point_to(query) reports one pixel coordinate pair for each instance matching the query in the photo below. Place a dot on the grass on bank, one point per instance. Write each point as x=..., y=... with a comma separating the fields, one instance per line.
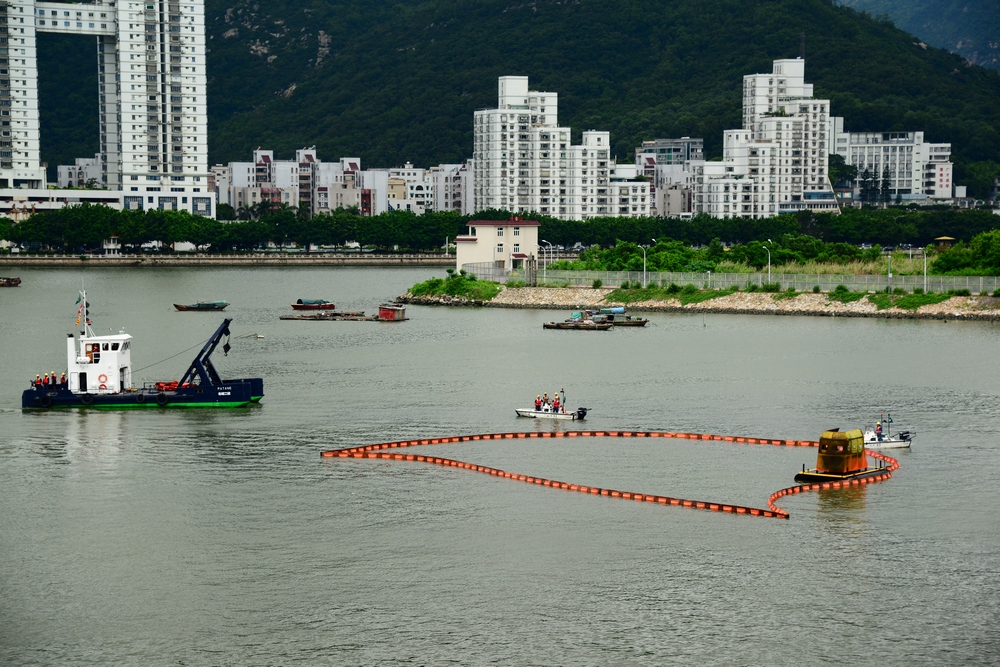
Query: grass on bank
x=458, y=284
x=686, y=294
x=907, y=301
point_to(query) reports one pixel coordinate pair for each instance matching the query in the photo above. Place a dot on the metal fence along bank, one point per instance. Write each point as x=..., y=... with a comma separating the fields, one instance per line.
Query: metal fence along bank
x=800, y=282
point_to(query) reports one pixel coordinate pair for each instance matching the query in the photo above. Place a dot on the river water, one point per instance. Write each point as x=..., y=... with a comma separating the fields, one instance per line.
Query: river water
x=222, y=537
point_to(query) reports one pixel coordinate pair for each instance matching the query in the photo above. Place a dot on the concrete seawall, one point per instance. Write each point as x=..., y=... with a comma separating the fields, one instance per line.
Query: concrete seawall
x=8, y=262
x=738, y=303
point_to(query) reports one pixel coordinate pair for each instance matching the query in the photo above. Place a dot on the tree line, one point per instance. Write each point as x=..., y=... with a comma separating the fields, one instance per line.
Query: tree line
x=84, y=227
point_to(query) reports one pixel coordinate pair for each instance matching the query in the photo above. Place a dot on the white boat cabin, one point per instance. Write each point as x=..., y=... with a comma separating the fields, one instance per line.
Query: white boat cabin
x=100, y=365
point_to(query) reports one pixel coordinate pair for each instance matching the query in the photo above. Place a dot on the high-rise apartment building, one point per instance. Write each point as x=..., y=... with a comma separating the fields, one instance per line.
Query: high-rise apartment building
x=777, y=163
x=524, y=161
x=151, y=96
x=913, y=169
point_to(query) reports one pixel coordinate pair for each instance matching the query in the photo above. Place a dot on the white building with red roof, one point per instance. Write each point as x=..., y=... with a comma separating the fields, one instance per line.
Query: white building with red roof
x=505, y=244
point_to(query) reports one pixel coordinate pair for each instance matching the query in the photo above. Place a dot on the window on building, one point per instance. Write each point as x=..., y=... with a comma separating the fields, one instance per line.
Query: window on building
x=500, y=248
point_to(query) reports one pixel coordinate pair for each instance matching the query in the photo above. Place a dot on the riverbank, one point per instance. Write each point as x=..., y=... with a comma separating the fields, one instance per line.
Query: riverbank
x=742, y=303
x=8, y=262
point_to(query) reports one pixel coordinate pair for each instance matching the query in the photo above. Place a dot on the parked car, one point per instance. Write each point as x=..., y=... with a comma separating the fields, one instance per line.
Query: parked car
x=887, y=248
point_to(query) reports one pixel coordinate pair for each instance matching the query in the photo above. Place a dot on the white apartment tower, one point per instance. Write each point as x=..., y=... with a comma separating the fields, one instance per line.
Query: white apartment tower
x=152, y=96
x=525, y=162
x=777, y=163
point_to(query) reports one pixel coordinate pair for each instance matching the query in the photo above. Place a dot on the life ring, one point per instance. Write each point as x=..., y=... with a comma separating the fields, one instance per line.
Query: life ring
x=161, y=399
x=102, y=378
x=45, y=401
x=102, y=386
x=87, y=399
x=140, y=397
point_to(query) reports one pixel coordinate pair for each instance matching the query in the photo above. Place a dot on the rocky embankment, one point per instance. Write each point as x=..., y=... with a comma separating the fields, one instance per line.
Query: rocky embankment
x=742, y=303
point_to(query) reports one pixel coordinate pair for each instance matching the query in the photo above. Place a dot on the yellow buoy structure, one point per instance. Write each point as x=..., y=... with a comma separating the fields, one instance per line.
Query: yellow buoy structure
x=841, y=456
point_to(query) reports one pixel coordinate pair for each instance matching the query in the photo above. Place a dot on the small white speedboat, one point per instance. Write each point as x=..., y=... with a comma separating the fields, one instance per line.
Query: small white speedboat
x=900, y=440
x=548, y=413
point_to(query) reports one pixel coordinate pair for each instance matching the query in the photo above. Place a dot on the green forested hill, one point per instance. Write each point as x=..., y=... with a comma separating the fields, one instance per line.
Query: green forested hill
x=970, y=28
x=395, y=81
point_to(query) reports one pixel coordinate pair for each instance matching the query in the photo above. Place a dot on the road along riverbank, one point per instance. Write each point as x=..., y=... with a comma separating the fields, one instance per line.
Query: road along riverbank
x=8, y=262
x=742, y=303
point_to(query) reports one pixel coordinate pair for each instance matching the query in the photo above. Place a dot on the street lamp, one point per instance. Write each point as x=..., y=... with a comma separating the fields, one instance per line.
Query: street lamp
x=549, y=245
x=923, y=251
x=643, y=265
x=768, y=261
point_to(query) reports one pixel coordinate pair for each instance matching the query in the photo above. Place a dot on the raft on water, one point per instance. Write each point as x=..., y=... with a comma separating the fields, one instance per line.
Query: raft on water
x=841, y=457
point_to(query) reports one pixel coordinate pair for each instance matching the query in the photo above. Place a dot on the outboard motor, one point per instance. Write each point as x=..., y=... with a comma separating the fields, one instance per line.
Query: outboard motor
x=581, y=413
x=903, y=435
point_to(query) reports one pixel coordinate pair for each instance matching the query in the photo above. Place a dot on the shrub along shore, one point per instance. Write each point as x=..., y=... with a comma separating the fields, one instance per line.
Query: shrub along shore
x=460, y=290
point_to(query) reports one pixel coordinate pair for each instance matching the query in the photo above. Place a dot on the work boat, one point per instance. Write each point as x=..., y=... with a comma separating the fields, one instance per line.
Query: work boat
x=99, y=375
x=899, y=440
x=887, y=440
x=547, y=413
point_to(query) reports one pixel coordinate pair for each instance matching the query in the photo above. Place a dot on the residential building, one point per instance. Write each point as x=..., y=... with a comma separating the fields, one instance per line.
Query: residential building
x=668, y=152
x=151, y=98
x=505, y=244
x=449, y=185
x=917, y=170
x=525, y=161
x=83, y=173
x=776, y=163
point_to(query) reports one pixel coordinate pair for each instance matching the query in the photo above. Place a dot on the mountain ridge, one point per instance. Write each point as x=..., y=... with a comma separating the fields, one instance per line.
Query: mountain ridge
x=391, y=82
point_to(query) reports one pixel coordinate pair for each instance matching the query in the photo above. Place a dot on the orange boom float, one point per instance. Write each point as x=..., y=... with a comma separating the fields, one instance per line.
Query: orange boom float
x=841, y=457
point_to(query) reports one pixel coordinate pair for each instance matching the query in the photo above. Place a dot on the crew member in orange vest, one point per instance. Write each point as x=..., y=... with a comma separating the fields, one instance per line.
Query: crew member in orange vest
x=555, y=402
x=38, y=381
x=538, y=403
x=62, y=380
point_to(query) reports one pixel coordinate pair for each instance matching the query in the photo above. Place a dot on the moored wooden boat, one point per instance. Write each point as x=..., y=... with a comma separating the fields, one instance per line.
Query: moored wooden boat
x=579, y=326
x=329, y=315
x=313, y=304
x=11, y=281
x=203, y=306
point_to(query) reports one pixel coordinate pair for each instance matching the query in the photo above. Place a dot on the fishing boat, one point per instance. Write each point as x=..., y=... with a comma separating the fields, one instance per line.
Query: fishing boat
x=313, y=304
x=203, y=305
x=616, y=316
x=581, y=325
x=99, y=375
x=875, y=439
x=9, y=281
x=546, y=413
x=579, y=321
x=329, y=316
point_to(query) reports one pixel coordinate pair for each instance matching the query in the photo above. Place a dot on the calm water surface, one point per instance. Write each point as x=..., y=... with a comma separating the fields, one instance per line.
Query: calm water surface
x=222, y=537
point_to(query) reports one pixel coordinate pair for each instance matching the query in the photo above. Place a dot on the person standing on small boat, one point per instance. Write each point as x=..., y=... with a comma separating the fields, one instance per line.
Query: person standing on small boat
x=555, y=402
x=538, y=403
x=878, y=431
x=545, y=401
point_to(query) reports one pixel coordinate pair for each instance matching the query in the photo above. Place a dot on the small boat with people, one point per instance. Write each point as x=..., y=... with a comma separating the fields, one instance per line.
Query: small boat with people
x=99, y=375
x=552, y=408
x=875, y=438
x=203, y=306
x=9, y=281
x=313, y=304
